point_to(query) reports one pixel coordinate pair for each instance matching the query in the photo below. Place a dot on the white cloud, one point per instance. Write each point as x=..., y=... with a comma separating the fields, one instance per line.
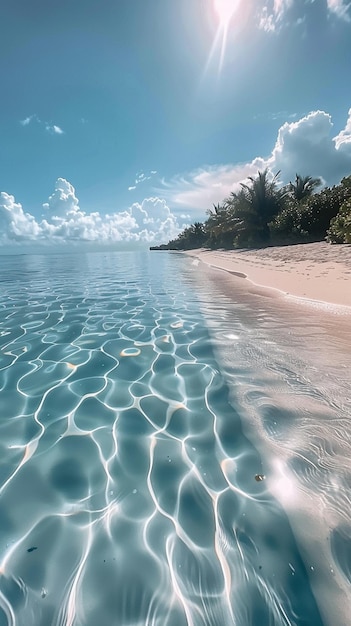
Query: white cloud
x=272, y=15
x=154, y=220
x=141, y=177
x=200, y=189
x=275, y=115
x=266, y=21
x=50, y=128
x=343, y=139
x=150, y=221
x=15, y=225
x=307, y=146
x=28, y=120
x=56, y=130
x=63, y=202
x=340, y=9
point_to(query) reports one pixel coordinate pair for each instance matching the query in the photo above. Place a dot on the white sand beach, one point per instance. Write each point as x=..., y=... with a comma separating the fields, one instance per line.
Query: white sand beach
x=315, y=271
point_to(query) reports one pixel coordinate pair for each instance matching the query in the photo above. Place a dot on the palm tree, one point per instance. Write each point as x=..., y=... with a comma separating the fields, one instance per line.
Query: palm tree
x=303, y=187
x=192, y=236
x=264, y=195
x=255, y=205
x=198, y=233
x=219, y=226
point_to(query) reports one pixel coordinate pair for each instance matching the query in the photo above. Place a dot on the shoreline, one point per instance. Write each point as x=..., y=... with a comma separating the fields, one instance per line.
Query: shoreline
x=318, y=274
x=282, y=339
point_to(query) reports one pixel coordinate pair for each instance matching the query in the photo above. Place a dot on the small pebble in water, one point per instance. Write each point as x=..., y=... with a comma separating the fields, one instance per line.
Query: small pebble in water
x=259, y=477
x=177, y=325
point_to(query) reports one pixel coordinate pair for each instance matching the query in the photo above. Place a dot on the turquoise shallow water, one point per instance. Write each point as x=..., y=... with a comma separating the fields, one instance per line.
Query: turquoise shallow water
x=129, y=493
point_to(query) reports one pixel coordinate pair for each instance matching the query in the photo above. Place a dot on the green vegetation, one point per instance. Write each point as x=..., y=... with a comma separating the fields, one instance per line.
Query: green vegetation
x=264, y=213
x=340, y=225
x=303, y=187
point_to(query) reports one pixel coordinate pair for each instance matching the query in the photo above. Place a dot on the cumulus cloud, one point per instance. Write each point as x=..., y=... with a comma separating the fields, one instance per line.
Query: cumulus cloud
x=150, y=221
x=15, y=225
x=154, y=220
x=307, y=146
x=63, y=202
x=343, y=139
x=53, y=129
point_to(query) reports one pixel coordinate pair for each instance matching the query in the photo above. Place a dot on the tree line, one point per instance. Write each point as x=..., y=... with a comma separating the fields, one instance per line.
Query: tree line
x=265, y=213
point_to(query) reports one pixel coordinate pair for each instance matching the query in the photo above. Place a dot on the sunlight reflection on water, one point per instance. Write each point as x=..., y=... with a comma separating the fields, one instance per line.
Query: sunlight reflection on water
x=128, y=489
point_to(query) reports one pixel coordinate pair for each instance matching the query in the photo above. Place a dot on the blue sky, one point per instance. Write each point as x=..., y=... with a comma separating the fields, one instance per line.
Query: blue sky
x=123, y=120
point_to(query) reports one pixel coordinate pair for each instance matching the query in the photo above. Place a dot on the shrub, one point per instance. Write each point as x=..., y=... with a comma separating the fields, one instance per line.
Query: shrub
x=309, y=220
x=340, y=225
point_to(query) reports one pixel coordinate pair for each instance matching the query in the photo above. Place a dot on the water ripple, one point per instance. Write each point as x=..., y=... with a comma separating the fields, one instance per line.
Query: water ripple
x=130, y=493
x=288, y=373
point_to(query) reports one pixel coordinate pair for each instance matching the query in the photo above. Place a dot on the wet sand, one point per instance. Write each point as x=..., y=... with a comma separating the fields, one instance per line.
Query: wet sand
x=314, y=271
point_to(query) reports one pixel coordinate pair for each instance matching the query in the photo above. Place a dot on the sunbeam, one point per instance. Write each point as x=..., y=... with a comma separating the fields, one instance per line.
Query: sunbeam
x=224, y=12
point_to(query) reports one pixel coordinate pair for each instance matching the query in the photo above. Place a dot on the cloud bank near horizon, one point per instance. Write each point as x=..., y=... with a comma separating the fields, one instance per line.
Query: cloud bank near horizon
x=66, y=223
x=306, y=146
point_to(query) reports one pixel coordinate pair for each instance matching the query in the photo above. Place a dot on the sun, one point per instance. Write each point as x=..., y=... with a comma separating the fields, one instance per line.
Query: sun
x=225, y=10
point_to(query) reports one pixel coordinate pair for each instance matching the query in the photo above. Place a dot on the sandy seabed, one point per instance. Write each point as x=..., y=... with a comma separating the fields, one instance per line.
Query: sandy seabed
x=296, y=348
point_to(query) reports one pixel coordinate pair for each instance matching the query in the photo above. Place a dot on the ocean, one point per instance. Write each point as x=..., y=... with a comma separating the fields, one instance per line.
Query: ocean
x=174, y=448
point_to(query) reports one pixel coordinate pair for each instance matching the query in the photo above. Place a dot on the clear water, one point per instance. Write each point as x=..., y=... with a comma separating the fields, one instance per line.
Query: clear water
x=129, y=491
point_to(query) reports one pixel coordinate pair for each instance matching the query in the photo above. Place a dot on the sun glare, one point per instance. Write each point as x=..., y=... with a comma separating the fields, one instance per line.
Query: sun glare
x=225, y=10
